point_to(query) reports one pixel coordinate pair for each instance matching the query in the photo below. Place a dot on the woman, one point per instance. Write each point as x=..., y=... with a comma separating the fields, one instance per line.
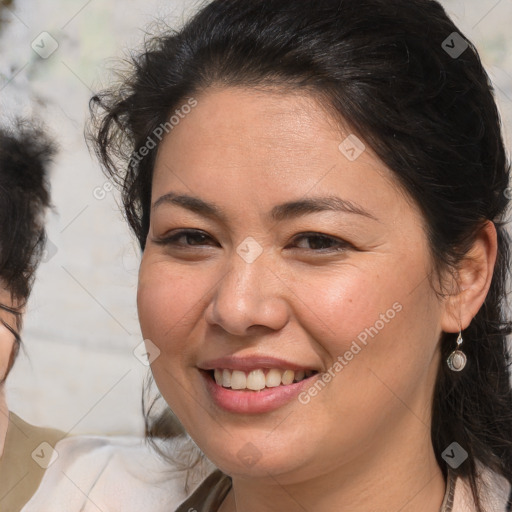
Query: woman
x=25, y=450
x=318, y=189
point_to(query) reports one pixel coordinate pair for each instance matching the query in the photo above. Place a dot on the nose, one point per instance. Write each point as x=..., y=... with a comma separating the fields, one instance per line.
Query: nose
x=249, y=296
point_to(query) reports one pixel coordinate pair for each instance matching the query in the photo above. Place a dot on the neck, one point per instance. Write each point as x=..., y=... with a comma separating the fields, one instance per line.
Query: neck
x=4, y=418
x=398, y=475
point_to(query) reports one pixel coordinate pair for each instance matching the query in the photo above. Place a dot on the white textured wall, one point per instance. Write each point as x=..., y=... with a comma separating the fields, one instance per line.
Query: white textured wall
x=81, y=326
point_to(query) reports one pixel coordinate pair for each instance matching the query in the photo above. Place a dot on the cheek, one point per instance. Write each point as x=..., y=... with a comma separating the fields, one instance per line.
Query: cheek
x=377, y=318
x=167, y=302
x=337, y=306
x=378, y=335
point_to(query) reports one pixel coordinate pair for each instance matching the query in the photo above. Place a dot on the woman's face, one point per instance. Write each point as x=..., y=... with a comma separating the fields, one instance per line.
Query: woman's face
x=302, y=260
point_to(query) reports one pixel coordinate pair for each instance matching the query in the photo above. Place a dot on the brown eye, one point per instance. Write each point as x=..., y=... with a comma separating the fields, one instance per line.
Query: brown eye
x=319, y=242
x=186, y=238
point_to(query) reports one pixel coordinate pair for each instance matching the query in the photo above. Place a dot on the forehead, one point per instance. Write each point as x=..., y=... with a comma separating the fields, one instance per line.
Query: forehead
x=259, y=145
x=274, y=117
x=267, y=130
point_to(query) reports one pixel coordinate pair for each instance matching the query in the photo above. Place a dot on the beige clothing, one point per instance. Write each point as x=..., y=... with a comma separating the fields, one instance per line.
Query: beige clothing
x=27, y=451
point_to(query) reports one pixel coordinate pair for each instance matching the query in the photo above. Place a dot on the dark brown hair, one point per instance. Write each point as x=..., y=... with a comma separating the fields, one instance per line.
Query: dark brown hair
x=25, y=153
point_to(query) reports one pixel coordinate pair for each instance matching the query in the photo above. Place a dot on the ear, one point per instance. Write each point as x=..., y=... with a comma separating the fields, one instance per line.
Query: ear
x=472, y=281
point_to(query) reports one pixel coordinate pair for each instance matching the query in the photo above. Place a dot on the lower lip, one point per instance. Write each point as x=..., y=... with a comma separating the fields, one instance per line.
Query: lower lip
x=253, y=402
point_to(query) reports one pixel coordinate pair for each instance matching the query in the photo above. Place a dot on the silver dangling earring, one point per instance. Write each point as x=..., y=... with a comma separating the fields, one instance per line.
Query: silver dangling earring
x=457, y=359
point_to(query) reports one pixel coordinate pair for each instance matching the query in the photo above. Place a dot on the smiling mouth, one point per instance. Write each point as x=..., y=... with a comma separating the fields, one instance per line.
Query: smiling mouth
x=256, y=380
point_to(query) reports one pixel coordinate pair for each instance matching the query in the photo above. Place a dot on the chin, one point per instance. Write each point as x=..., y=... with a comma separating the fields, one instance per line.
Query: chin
x=257, y=458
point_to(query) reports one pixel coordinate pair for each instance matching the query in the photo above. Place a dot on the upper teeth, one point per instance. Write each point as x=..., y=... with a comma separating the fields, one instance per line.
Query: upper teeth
x=257, y=379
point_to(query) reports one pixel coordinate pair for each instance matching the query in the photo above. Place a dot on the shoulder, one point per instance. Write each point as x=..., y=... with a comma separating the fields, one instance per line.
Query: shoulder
x=117, y=474
x=32, y=432
x=27, y=451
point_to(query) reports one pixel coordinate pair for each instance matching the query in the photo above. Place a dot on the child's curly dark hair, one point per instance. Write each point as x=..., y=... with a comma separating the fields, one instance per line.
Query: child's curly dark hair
x=25, y=153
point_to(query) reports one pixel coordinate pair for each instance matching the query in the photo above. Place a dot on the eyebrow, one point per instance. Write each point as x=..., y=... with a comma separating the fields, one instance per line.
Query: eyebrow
x=279, y=213
x=194, y=204
x=302, y=207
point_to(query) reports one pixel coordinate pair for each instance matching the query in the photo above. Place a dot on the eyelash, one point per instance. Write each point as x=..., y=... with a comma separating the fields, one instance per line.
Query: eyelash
x=173, y=240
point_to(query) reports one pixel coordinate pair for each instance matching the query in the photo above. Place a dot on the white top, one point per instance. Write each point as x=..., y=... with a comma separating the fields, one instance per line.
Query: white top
x=115, y=474
x=495, y=491
x=123, y=474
